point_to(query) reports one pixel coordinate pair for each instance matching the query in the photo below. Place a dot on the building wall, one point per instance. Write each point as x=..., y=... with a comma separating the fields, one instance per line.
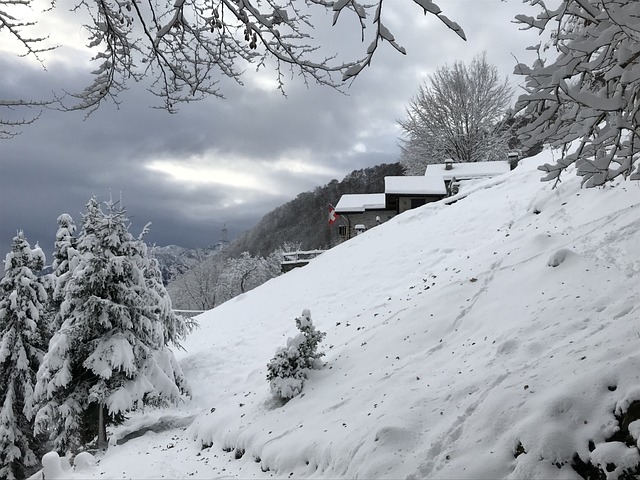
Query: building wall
x=405, y=202
x=367, y=218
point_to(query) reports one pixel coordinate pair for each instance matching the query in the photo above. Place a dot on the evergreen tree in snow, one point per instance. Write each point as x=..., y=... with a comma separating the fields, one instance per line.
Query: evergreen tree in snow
x=64, y=254
x=289, y=368
x=175, y=326
x=109, y=356
x=22, y=341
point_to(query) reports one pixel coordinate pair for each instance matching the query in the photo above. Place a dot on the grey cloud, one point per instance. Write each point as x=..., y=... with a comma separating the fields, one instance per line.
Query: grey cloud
x=63, y=159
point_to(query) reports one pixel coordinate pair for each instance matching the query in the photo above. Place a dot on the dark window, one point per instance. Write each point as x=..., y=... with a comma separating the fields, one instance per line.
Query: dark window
x=417, y=202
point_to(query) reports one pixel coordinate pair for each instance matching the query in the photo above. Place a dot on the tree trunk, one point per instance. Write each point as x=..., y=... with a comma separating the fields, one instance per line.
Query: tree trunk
x=102, y=429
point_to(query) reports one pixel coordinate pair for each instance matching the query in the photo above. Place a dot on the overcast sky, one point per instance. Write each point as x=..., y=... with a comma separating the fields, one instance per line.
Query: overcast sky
x=226, y=161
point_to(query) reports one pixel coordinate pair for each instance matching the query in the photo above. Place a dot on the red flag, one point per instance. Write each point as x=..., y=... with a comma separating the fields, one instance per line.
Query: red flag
x=333, y=216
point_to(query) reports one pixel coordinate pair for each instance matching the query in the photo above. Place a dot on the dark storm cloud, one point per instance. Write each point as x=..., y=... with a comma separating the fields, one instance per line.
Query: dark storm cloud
x=239, y=157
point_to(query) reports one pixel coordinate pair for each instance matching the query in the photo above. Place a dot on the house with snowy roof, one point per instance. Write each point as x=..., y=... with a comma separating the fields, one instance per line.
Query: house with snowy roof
x=453, y=174
x=401, y=193
x=404, y=193
x=361, y=211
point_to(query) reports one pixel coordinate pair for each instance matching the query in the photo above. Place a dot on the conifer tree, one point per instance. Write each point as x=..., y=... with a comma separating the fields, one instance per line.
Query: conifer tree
x=22, y=340
x=64, y=254
x=108, y=356
x=289, y=368
x=175, y=326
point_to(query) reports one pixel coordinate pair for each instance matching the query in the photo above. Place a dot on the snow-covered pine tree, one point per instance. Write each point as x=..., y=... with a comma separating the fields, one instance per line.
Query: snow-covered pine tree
x=109, y=356
x=64, y=255
x=289, y=368
x=175, y=327
x=22, y=341
x=312, y=337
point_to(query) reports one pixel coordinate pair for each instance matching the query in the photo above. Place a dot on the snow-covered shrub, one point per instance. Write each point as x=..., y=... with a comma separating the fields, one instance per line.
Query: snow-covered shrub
x=288, y=369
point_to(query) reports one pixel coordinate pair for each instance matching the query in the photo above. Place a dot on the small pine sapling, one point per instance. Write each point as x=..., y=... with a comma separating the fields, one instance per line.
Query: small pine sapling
x=288, y=369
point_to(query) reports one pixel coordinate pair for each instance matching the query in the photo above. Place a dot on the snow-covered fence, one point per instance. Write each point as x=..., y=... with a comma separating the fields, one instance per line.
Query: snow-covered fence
x=298, y=259
x=188, y=313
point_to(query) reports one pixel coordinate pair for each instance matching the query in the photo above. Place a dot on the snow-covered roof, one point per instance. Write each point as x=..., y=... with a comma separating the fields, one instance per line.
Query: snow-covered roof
x=467, y=170
x=414, y=185
x=359, y=202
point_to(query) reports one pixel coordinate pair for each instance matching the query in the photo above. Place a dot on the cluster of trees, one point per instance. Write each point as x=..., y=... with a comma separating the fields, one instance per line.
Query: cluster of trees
x=85, y=344
x=174, y=260
x=256, y=256
x=219, y=278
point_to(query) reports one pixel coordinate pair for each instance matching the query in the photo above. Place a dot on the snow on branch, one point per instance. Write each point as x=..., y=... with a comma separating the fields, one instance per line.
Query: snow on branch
x=187, y=46
x=587, y=100
x=382, y=33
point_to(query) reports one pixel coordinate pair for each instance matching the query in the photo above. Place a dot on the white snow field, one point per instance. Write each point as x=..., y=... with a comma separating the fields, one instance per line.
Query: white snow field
x=491, y=338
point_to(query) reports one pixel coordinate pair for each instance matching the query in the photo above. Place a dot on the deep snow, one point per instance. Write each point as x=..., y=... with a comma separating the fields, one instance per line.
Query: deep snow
x=490, y=338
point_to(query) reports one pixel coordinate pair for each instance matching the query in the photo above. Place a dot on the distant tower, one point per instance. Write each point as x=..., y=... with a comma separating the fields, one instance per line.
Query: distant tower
x=224, y=237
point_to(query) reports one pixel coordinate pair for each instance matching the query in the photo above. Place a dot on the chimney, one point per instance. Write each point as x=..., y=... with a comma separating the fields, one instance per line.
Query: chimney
x=448, y=164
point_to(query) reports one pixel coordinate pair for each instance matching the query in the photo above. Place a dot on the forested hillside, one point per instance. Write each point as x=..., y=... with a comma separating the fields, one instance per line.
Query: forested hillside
x=256, y=256
x=303, y=220
x=174, y=260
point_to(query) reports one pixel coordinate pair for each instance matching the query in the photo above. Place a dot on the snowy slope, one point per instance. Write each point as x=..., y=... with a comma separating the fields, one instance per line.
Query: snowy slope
x=491, y=338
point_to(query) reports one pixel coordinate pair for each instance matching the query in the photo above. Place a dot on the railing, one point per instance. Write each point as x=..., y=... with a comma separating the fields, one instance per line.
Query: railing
x=301, y=256
x=298, y=259
x=188, y=313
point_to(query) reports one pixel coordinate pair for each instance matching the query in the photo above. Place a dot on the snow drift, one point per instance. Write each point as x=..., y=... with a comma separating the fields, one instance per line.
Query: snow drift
x=495, y=337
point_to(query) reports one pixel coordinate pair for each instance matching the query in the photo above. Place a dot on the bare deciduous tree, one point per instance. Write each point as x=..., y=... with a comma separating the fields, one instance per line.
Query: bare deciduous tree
x=457, y=114
x=219, y=278
x=587, y=101
x=19, y=112
x=186, y=46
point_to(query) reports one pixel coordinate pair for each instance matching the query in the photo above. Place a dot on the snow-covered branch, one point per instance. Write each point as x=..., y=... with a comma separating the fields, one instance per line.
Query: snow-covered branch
x=587, y=100
x=457, y=114
x=185, y=47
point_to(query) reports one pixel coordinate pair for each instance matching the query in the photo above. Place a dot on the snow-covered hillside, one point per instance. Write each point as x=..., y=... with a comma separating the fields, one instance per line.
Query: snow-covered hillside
x=492, y=338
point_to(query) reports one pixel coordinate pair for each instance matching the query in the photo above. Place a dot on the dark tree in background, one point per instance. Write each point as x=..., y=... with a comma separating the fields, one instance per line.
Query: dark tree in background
x=304, y=220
